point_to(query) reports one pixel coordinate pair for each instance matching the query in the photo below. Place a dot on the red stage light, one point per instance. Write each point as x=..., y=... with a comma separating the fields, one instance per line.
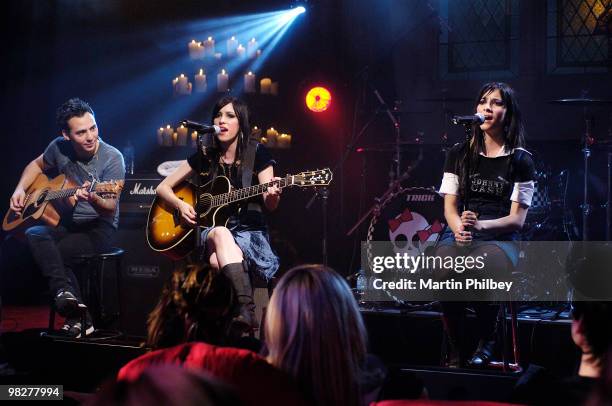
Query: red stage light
x=318, y=99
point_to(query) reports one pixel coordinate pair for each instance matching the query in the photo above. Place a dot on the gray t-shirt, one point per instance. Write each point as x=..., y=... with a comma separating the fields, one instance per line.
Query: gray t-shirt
x=107, y=164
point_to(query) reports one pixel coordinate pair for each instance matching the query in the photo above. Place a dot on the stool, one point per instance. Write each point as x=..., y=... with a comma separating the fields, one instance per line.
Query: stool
x=92, y=271
x=262, y=291
x=505, y=365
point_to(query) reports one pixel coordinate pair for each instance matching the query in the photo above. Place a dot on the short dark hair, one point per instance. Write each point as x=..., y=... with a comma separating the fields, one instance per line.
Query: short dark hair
x=74, y=107
x=595, y=318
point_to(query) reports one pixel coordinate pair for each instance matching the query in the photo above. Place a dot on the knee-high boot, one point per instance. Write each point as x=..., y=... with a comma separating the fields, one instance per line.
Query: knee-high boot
x=453, y=320
x=244, y=315
x=487, y=315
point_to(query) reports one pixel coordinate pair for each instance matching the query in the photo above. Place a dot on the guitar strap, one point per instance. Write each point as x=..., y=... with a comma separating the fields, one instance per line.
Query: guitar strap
x=248, y=162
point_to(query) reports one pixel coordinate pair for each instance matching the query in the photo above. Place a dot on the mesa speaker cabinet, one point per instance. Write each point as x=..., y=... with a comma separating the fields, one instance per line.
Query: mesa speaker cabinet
x=144, y=271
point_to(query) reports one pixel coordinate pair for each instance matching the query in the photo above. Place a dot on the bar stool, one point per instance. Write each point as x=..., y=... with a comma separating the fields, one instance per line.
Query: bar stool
x=262, y=291
x=92, y=271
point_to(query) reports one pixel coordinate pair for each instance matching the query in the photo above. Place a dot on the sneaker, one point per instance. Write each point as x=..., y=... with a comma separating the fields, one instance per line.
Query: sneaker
x=72, y=327
x=66, y=303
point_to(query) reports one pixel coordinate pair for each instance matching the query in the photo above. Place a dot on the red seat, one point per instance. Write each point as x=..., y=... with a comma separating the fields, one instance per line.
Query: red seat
x=427, y=402
x=255, y=380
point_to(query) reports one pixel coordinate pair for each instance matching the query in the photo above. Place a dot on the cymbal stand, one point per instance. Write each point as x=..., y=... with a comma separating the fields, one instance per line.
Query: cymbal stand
x=586, y=151
x=397, y=129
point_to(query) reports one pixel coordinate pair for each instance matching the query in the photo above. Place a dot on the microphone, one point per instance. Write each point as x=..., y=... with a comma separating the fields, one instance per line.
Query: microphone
x=477, y=118
x=202, y=128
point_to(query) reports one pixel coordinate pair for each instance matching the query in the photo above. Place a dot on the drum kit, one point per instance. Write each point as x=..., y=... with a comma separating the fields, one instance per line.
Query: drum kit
x=407, y=216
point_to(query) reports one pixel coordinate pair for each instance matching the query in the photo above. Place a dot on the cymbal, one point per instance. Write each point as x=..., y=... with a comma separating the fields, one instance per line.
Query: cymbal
x=581, y=101
x=446, y=99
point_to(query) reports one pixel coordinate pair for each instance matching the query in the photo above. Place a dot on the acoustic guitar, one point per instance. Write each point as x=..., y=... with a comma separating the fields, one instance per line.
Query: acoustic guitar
x=166, y=233
x=48, y=200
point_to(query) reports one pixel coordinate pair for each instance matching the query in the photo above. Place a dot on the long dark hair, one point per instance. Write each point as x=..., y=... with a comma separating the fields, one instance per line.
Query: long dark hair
x=242, y=113
x=514, y=130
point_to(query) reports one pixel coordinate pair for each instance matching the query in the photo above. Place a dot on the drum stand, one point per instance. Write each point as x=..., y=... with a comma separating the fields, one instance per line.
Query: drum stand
x=396, y=177
x=586, y=151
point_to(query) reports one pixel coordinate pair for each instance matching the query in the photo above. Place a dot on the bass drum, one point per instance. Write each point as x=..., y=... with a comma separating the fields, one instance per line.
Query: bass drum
x=408, y=218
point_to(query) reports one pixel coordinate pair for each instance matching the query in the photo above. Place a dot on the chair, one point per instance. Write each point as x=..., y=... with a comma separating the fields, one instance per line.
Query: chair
x=94, y=271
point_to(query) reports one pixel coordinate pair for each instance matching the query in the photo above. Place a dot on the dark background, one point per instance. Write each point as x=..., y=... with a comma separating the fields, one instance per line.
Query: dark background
x=121, y=55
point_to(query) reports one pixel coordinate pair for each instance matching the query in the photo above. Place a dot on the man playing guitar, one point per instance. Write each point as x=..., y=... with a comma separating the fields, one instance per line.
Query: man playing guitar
x=91, y=223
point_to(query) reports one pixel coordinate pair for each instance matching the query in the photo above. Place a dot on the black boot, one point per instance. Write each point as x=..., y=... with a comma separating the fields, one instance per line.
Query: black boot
x=453, y=319
x=482, y=355
x=487, y=319
x=244, y=315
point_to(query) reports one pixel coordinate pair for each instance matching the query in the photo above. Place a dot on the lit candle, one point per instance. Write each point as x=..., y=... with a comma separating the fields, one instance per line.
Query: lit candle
x=283, y=141
x=249, y=83
x=200, y=81
x=194, y=138
x=271, y=135
x=181, y=138
x=251, y=48
x=193, y=49
x=209, y=47
x=174, y=137
x=222, y=81
x=174, y=86
x=240, y=51
x=182, y=85
x=256, y=132
x=167, y=135
x=232, y=44
x=264, y=85
x=274, y=89
x=160, y=136
x=263, y=140
x=200, y=51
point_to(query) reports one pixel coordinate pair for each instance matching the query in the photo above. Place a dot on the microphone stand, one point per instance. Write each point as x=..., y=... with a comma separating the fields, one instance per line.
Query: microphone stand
x=396, y=127
x=466, y=182
x=200, y=145
x=323, y=193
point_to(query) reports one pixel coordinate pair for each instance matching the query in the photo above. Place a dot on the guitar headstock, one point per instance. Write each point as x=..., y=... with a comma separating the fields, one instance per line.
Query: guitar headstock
x=109, y=189
x=319, y=177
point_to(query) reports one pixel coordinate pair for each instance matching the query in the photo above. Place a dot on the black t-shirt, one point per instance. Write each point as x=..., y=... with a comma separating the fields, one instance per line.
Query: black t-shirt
x=263, y=159
x=492, y=180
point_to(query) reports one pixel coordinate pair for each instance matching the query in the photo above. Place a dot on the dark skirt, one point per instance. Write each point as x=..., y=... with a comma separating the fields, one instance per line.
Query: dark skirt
x=506, y=243
x=254, y=242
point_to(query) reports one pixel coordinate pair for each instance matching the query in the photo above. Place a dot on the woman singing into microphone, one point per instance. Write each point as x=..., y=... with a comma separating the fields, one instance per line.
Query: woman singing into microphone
x=243, y=245
x=488, y=217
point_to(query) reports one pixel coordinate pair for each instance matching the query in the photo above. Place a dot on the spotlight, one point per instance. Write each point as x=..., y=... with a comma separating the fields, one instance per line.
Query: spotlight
x=300, y=10
x=318, y=99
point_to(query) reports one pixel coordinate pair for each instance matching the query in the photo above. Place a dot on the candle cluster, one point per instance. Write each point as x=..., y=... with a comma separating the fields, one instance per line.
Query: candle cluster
x=168, y=136
x=199, y=50
x=274, y=139
x=183, y=87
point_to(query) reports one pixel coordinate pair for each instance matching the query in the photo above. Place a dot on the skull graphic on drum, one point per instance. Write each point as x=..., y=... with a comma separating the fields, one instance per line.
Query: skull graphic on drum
x=409, y=231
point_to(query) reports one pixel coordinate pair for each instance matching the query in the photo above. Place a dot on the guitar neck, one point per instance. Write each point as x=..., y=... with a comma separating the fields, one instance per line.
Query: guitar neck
x=61, y=194
x=247, y=192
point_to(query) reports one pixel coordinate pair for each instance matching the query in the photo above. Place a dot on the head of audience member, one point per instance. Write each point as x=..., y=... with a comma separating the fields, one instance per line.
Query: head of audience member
x=602, y=394
x=592, y=333
x=314, y=332
x=167, y=385
x=195, y=305
x=590, y=280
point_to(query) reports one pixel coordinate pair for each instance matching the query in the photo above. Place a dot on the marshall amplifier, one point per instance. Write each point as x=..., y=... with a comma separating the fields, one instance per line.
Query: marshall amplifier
x=138, y=194
x=144, y=270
